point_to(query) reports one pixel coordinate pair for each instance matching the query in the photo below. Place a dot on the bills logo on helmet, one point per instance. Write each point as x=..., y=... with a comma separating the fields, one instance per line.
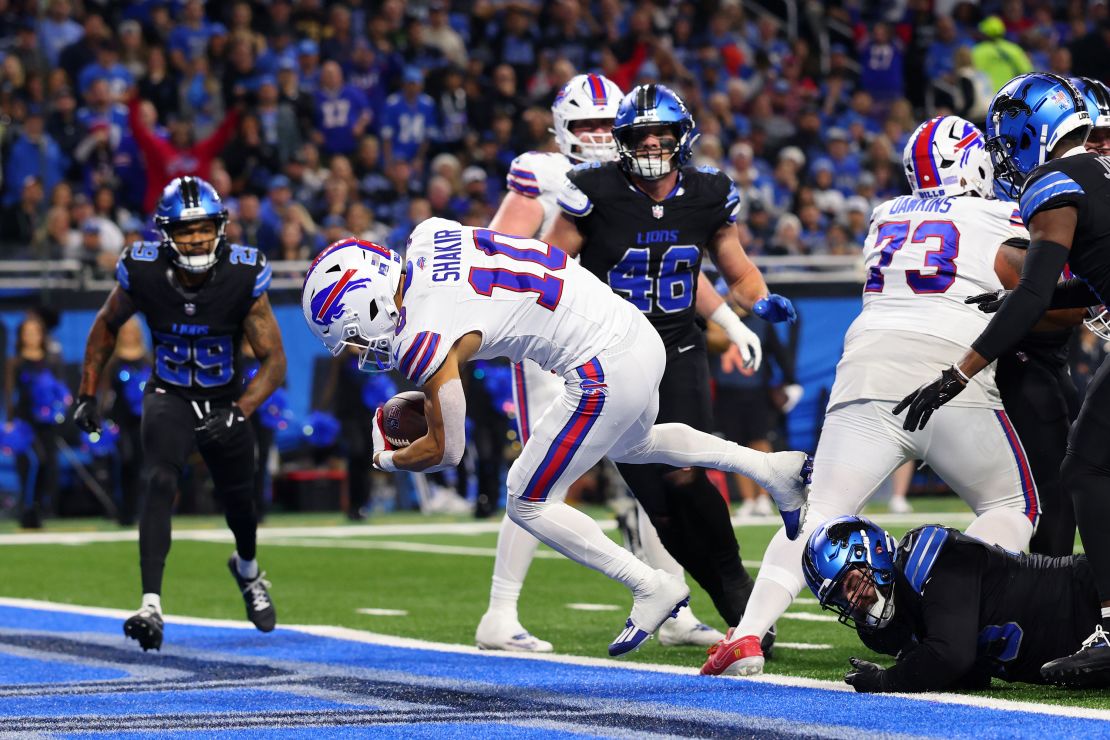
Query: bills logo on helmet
x=327, y=305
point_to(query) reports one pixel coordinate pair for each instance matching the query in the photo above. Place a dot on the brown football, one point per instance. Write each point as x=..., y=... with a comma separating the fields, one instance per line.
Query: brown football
x=403, y=418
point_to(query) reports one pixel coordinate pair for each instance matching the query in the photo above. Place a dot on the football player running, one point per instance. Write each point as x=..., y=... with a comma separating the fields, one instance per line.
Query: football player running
x=953, y=609
x=925, y=254
x=201, y=297
x=583, y=115
x=469, y=293
x=1036, y=128
x=642, y=225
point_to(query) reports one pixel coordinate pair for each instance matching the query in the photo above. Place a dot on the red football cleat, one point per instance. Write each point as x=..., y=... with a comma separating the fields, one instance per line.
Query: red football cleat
x=739, y=657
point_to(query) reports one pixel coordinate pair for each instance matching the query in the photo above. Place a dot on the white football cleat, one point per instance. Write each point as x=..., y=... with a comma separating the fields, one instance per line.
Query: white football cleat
x=686, y=629
x=788, y=483
x=500, y=631
x=657, y=601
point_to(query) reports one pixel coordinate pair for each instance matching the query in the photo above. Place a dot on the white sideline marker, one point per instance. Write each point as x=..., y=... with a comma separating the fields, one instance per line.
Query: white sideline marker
x=585, y=607
x=807, y=617
x=383, y=612
x=803, y=645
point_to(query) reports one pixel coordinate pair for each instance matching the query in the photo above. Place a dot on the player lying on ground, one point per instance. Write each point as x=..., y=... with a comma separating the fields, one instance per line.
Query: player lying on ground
x=954, y=610
x=201, y=297
x=469, y=293
x=925, y=254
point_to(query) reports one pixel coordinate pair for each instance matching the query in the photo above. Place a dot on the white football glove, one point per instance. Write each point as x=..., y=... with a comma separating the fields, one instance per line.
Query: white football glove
x=751, y=350
x=794, y=393
x=378, y=433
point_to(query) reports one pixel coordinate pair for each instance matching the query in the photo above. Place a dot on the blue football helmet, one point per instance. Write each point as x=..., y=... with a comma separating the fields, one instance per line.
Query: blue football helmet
x=645, y=107
x=184, y=200
x=848, y=564
x=1097, y=96
x=1025, y=121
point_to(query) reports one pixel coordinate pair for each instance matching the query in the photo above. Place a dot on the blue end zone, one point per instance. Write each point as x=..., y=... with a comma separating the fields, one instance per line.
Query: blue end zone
x=70, y=675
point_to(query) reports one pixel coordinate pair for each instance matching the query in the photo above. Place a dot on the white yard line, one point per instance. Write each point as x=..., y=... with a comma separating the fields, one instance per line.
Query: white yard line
x=352, y=635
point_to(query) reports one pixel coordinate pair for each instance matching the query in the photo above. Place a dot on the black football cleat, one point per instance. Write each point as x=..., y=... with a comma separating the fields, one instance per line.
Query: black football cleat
x=1087, y=668
x=260, y=609
x=145, y=626
x=767, y=644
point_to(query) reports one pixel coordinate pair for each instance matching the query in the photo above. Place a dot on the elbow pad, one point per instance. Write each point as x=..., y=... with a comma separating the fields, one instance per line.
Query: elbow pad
x=452, y=405
x=1020, y=311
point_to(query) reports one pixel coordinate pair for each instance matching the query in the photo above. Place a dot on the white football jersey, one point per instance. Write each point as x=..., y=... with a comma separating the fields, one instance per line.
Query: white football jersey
x=540, y=175
x=527, y=299
x=923, y=257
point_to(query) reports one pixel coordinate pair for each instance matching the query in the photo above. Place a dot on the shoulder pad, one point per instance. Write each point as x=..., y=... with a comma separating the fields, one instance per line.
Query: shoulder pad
x=708, y=169
x=918, y=551
x=573, y=201
x=1052, y=185
x=586, y=166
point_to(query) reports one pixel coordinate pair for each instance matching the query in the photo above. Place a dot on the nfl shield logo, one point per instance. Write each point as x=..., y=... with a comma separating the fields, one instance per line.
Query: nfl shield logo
x=190, y=309
x=657, y=211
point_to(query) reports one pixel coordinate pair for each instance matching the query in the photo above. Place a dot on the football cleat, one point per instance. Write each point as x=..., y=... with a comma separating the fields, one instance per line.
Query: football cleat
x=734, y=657
x=1087, y=668
x=686, y=629
x=499, y=631
x=256, y=594
x=767, y=644
x=660, y=601
x=788, y=483
x=145, y=626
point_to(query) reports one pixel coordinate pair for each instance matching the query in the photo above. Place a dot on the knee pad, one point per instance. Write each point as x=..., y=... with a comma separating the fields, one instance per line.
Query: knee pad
x=160, y=479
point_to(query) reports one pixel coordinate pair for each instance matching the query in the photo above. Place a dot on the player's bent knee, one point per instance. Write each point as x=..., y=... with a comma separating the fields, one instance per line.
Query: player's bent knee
x=160, y=480
x=681, y=477
x=521, y=512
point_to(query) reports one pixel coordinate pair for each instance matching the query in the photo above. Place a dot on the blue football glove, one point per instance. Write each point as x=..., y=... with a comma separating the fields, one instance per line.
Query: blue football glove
x=775, y=308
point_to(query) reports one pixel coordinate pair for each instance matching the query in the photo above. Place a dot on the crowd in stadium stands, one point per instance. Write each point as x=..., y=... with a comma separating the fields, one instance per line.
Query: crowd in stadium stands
x=318, y=119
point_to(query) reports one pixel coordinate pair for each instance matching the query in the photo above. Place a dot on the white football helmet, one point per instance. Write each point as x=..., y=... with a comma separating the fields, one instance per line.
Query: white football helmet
x=946, y=156
x=586, y=97
x=348, y=299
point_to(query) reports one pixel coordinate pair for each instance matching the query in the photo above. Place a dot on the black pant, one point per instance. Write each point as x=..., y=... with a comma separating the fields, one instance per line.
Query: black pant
x=1039, y=395
x=168, y=437
x=265, y=439
x=130, y=468
x=687, y=510
x=359, y=448
x=38, y=474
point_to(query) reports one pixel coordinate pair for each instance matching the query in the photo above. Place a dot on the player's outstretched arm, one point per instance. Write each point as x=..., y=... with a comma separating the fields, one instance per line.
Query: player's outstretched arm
x=100, y=345
x=518, y=214
x=445, y=413
x=261, y=329
x=745, y=281
x=564, y=234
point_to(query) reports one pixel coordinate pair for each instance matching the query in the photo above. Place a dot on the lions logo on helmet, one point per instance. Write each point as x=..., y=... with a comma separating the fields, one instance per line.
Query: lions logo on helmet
x=653, y=110
x=848, y=564
x=946, y=156
x=348, y=298
x=586, y=98
x=188, y=200
x=1026, y=120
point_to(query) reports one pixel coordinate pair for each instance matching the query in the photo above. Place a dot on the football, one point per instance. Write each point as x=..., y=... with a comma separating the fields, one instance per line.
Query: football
x=403, y=418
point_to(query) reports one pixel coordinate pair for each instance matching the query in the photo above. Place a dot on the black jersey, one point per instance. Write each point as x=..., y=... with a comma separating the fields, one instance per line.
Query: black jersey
x=196, y=334
x=650, y=253
x=965, y=611
x=1082, y=181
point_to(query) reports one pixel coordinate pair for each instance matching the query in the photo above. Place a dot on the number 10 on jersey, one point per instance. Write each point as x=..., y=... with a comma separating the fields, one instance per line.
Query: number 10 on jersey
x=548, y=288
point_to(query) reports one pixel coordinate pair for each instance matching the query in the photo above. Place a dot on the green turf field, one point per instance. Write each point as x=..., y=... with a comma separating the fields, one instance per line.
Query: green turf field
x=326, y=580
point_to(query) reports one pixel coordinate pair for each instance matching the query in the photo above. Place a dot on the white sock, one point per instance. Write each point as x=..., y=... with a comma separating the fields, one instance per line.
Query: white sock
x=768, y=602
x=152, y=602
x=1007, y=528
x=248, y=569
x=1106, y=612
x=515, y=550
x=655, y=554
x=685, y=447
x=578, y=537
x=779, y=581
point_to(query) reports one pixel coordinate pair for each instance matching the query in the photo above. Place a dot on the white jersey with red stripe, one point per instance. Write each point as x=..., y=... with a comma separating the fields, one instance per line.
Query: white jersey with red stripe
x=924, y=256
x=524, y=297
x=540, y=175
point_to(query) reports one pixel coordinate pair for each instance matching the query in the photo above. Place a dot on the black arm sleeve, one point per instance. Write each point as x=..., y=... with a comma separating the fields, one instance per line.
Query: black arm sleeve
x=782, y=355
x=1074, y=293
x=1027, y=303
x=951, y=609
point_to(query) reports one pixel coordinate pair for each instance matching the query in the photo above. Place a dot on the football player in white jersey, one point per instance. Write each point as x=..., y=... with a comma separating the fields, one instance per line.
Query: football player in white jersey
x=582, y=114
x=925, y=253
x=468, y=293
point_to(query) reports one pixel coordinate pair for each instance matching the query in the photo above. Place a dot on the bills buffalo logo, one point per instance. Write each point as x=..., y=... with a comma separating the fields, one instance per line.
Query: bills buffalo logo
x=327, y=304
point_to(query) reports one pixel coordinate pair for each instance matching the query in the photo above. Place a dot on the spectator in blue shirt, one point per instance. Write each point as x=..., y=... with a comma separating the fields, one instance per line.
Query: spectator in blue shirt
x=409, y=121
x=189, y=38
x=942, y=52
x=57, y=30
x=881, y=59
x=308, y=66
x=342, y=112
x=846, y=163
x=518, y=42
x=107, y=67
x=34, y=153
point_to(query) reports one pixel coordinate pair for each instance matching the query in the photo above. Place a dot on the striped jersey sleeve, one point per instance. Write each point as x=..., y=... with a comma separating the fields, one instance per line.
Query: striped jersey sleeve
x=923, y=554
x=1053, y=190
x=522, y=177
x=262, y=277
x=419, y=355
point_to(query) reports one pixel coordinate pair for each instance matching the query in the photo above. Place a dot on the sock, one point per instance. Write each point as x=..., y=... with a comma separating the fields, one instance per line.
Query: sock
x=1105, y=621
x=779, y=581
x=152, y=602
x=575, y=535
x=768, y=602
x=515, y=550
x=248, y=569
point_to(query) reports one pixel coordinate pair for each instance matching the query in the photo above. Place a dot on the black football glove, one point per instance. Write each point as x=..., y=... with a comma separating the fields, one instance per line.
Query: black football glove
x=865, y=677
x=220, y=425
x=930, y=397
x=85, y=414
x=988, y=302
